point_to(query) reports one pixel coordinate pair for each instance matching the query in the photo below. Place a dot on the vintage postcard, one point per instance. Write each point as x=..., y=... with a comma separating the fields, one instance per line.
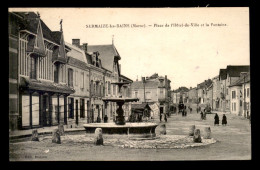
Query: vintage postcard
x=131, y=84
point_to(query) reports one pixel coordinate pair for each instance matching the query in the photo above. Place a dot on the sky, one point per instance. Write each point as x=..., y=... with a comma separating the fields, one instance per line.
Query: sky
x=187, y=55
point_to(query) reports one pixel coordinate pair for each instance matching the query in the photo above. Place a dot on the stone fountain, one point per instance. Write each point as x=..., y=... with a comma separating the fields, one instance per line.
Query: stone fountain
x=143, y=129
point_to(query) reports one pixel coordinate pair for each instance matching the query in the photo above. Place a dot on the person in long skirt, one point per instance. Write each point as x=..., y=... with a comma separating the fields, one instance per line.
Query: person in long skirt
x=224, y=120
x=165, y=117
x=201, y=115
x=216, y=122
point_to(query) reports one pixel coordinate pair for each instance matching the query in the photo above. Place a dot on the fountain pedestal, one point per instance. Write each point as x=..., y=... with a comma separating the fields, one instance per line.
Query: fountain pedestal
x=120, y=118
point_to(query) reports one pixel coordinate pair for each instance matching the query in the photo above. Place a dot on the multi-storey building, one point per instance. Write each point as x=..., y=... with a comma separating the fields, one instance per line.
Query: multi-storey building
x=192, y=95
x=153, y=89
x=78, y=78
x=226, y=77
x=216, y=93
x=240, y=96
x=105, y=70
x=37, y=75
x=201, y=91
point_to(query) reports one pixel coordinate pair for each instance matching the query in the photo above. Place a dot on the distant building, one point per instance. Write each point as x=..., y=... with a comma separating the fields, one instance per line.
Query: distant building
x=155, y=89
x=201, y=91
x=181, y=94
x=216, y=93
x=192, y=95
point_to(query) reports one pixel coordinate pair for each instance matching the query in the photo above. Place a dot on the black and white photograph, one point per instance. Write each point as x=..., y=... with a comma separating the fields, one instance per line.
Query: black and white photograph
x=129, y=84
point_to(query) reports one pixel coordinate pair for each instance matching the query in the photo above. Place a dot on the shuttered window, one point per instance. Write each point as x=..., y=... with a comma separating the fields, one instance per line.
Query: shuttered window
x=70, y=77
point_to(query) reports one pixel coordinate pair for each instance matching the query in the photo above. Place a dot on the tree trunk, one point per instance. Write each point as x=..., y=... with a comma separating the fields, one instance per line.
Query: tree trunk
x=56, y=136
x=207, y=133
x=35, y=136
x=197, y=137
x=191, y=130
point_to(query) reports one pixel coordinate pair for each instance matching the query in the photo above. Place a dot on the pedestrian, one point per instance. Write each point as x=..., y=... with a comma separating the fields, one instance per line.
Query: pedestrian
x=197, y=110
x=190, y=109
x=224, y=120
x=160, y=117
x=201, y=115
x=216, y=122
x=204, y=115
x=165, y=118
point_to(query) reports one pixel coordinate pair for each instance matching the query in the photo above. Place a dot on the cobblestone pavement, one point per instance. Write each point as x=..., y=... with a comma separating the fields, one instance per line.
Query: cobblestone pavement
x=231, y=142
x=160, y=142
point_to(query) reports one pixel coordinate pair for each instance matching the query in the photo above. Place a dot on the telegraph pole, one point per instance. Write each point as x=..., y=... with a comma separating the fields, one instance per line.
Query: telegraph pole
x=143, y=78
x=244, y=97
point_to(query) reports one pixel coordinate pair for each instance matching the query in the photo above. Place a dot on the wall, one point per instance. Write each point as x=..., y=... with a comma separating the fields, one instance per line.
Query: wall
x=235, y=102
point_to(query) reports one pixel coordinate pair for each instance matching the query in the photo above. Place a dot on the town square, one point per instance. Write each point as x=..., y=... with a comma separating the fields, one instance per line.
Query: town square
x=129, y=84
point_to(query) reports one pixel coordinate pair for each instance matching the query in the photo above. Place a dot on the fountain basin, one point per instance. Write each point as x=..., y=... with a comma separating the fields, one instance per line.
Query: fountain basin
x=142, y=129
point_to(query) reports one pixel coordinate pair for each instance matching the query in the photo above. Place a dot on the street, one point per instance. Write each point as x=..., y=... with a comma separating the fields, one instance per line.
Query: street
x=233, y=143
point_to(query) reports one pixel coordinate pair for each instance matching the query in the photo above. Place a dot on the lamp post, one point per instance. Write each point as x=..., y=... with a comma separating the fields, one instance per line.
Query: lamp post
x=244, y=98
x=143, y=79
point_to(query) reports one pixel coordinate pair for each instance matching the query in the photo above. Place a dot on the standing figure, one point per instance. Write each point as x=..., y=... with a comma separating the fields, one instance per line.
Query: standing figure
x=201, y=115
x=204, y=114
x=190, y=109
x=197, y=110
x=216, y=122
x=165, y=117
x=224, y=120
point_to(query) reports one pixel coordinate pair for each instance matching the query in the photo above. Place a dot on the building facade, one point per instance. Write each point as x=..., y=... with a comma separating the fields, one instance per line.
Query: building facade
x=78, y=71
x=153, y=89
x=226, y=77
x=240, y=102
x=216, y=93
x=37, y=79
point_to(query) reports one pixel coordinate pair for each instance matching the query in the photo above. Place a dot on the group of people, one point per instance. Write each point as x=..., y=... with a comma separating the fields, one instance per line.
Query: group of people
x=224, y=120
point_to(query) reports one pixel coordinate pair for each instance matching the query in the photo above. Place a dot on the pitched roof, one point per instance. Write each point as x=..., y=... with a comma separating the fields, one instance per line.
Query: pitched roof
x=148, y=84
x=241, y=80
x=30, y=23
x=222, y=74
x=107, y=54
x=182, y=89
x=126, y=78
x=155, y=75
x=234, y=71
x=76, y=53
x=205, y=84
x=141, y=106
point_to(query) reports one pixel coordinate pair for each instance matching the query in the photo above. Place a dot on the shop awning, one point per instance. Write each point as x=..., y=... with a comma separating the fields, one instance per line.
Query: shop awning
x=46, y=86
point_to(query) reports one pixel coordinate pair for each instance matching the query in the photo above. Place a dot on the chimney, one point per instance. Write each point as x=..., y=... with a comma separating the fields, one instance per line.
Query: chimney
x=85, y=47
x=76, y=42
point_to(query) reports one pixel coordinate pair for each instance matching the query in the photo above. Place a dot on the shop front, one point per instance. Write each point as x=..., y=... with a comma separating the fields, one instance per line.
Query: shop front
x=42, y=103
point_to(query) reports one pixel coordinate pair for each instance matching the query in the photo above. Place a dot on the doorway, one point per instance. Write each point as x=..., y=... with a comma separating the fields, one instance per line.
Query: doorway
x=77, y=112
